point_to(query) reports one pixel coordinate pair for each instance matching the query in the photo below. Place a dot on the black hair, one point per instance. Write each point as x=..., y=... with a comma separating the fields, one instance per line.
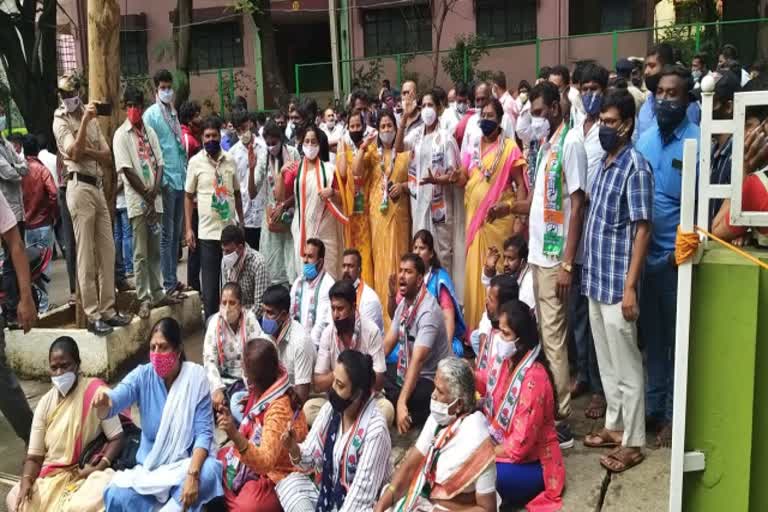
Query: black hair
x=729, y=51
x=359, y=368
x=386, y=113
x=703, y=57
x=624, y=102
x=417, y=262
x=594, y=73
x=548, y=92
x=188, y=110
x=162, y=75
x=500, y=79
x=497, y=109
x=212, y=122
x=236, y=290
x=264, y=353
x=170, y=329
x=260, y=117
x=271, y=129
x=277, y=296
x=31, y=145
x=523, y=84
x=232, y=235
x=358, y=94
x=439, y=96
x=240, y=104
x=354, y=252
x=239, y=118
x=664, y=52
x=67, y=345
x=562, y=71
x=461, y=89
x=307, y=110
x=425, y=237
x=519, y=319
x=507, y=287
x=518, y=242
x=316, y=242
x=133, y=94
x=544, y=72
x=345, y=290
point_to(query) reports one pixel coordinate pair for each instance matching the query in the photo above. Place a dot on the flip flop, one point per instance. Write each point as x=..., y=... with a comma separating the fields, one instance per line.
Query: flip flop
x=624, y=461
x=605, y=441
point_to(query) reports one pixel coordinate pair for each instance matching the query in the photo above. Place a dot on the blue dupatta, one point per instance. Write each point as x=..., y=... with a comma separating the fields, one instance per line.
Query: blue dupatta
x=439, y=278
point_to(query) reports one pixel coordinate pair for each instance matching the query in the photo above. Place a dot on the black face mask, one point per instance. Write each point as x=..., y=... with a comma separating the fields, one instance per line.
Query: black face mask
x=669, y=115
x=344, y=325
x=356, y=136
x=609, y=138
x=652, y=82
x=339, y=404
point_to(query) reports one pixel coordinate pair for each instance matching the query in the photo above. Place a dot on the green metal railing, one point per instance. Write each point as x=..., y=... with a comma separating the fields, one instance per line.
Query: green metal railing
x=695, y=39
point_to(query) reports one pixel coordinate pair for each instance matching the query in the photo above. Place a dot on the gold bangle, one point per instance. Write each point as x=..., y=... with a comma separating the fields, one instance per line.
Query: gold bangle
x=109, y=462
x=391, y=488
x=28, y=476
x=243, y=449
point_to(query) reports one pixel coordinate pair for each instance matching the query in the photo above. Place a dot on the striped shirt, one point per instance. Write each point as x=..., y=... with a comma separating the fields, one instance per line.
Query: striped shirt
x=622, y=195
x=721, y=172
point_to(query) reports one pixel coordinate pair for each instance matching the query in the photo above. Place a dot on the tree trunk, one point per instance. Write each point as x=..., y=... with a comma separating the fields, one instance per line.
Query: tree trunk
x=273, y=80
x=183, y=37
x=447, y=5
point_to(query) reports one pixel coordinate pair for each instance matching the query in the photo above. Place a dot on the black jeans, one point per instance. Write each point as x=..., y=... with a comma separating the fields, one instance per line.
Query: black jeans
x=68, y=238
x=210, y=265
x=13, y=403
x=418, y=404
x=252, y=236
x=193, y=264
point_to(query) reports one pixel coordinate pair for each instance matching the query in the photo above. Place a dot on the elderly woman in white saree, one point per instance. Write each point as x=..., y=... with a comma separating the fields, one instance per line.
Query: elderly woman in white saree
x=452, y=466
x=175, y=470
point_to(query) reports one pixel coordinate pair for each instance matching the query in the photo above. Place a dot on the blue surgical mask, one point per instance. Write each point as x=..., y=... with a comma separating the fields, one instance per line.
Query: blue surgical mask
x=310, y=271
x=488, y=126
x=269, y=326
x=592, y=103
x=212, y=147
x=166, y=95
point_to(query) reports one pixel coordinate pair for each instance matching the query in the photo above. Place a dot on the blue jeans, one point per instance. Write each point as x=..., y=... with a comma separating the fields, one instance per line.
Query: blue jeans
x=658, y=308
x=578, y=322
x=41, y=237
x=517, y=484
x=123, y=243
x=173, y=218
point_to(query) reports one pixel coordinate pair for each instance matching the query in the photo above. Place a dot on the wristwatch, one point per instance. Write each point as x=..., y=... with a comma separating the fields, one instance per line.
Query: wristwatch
x=567, y=267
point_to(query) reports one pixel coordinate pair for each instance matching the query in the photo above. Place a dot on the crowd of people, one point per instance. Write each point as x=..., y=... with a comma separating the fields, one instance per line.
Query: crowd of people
x=457, y=263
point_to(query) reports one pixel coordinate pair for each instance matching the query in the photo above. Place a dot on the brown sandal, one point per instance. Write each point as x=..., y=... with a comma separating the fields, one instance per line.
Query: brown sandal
x=621, y=460
x=603, y=440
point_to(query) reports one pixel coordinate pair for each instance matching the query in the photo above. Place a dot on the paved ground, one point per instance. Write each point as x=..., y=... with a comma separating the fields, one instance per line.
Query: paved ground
x=589, y=488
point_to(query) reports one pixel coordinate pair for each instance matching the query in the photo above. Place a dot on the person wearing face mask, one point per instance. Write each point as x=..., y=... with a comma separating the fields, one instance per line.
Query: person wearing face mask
x=435, y=206
x=212, y=182
x=493, y=176
x=615, y=248
x=85, y=154
x=59, y=426
x=699, y=69
x=191, y=137
x=164, y=120
x=460, y=108
x=474, y=132
x=349, y=446
x=257, y=461
x=659, y=57
x=356, y=188
x=388, y=207
x=174, y=467
x=349, y=331
x=294, y=346
x=451, y=466
x=594, y=82
x=520, y=407
x=662, y=147
x=245, y=266
x=368, y=303
x=501, y=289
x=139, y=163
x=333, y=130
x=310, y=304
x=246, y=152
x=228, y=331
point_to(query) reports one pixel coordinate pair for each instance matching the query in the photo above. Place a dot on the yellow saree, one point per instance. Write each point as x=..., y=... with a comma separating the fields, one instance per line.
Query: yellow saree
x=488, y=184
x=390, y=226
x=354, y=197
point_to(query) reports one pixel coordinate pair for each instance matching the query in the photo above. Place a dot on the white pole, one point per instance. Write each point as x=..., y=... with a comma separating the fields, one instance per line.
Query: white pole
x=682, y=332
x=334, y=48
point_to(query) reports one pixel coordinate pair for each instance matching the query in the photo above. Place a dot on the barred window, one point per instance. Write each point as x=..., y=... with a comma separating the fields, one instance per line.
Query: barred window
x=217, y=45
x=389, y=31
x=506, y=20
x=133, y=52
x=66, y=59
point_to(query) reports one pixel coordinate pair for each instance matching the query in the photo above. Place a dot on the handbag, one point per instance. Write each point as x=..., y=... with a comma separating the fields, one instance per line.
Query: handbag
x=127, y=458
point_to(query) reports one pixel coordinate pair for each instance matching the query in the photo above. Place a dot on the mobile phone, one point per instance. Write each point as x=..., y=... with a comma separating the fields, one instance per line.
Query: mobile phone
x=103, y=109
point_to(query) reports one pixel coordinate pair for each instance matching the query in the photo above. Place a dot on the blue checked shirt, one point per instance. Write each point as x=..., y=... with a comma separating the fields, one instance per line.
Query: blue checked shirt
x=622, y=195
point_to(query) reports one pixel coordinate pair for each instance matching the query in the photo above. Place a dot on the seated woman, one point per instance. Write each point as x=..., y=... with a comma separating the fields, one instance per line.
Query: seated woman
x=225, y=338
x=440, y=285
x=349, y=446
x=62, y=428
x=451, y=466
x=257, y=460
x=520, y=407
x=174, y=466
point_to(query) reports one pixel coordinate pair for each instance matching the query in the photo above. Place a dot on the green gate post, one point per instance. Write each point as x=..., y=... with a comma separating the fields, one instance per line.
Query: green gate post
x=296, y=74
x=221, y=92
x=465, y=63
x=698, y=37
x=615, y=49
x=231, y=87
x=538, y=56
x=399, y=64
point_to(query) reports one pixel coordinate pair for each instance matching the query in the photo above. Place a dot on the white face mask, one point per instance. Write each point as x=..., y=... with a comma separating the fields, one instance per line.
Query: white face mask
x=71, y=104
x=439, y=411
x=539, y=127
x=229, y=260
x=165, y=95
x=462, y=108
x=64, y=382
x=230, y=314
x=246, y=137
x=330, y=124
x=523, y=97
x=310, y=151
x=387, y=137
x=506, y=349
x=428, y=115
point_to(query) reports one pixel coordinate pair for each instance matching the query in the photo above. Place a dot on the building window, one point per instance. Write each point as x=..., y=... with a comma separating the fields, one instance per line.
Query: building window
x=614, y=15
x=506, y=20
x=389, y=31
x=66, y=60
x=133, y=52
x=217, y=46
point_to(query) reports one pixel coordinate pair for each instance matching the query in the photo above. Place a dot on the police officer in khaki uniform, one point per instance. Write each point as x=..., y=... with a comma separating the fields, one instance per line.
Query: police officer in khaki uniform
x=85, y=154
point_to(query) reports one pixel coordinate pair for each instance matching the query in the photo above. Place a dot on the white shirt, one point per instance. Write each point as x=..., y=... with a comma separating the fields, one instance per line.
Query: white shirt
x=253, y=209
x=449, y=120
x=334, y=136
x=473, y=133
x=49, y=161
x=370, y=308
x=370, y=343
x=322, y=307
x=575, y=169
x=297, y=354
x=592, y=147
